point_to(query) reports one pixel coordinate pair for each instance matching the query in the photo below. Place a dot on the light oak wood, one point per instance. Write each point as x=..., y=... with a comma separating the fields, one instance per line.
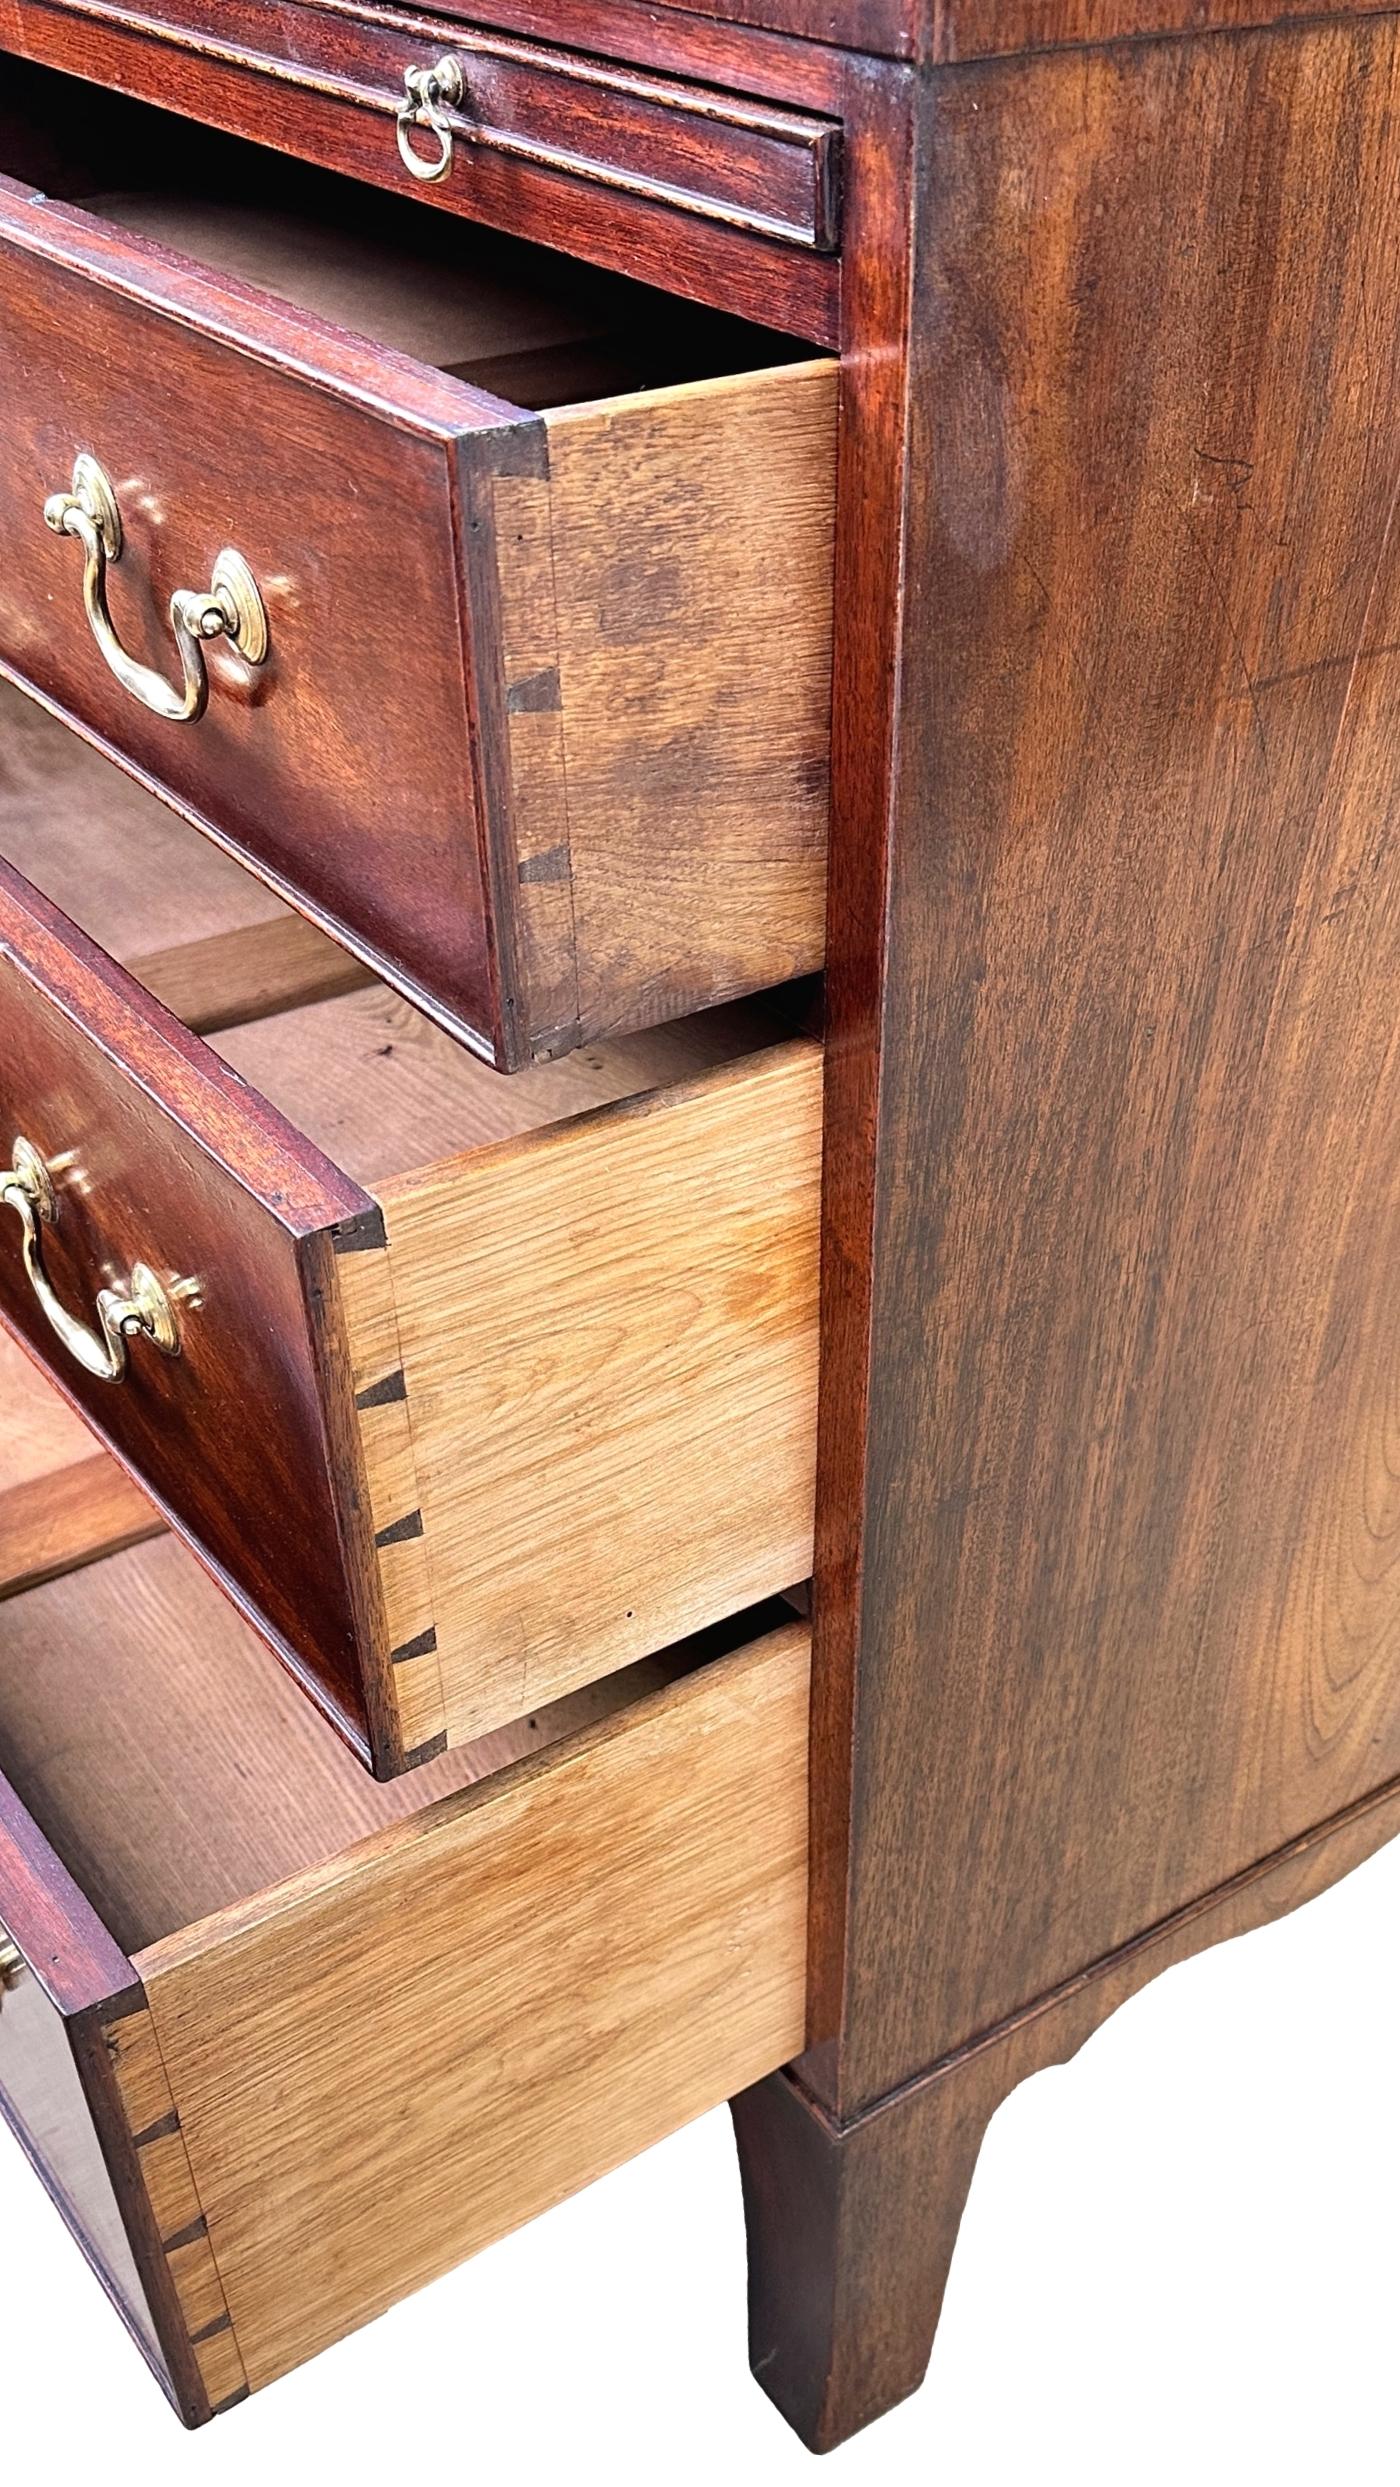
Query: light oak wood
x=608, y=1337
x=63, y=1502
x=143, y=2087
x=556, y=1969
x=116, y=860
x=584, y=1366
x=249, y=972
x=599, y=1438
x=201, y=933
x=164, y=1753
x=551, y=1966
x=39, y=1434
x=55, y=1524
x=383, y=1091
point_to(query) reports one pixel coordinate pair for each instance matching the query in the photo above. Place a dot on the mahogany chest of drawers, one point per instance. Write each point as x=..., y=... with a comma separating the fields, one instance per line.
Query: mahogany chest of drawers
x=697, y=927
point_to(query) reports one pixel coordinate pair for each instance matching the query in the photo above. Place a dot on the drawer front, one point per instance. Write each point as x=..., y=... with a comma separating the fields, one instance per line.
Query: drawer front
x=722, y=196
x=541, y=724
x=164, y=1158
x=68, y=2001
x=341, y=771
x=46, y=2107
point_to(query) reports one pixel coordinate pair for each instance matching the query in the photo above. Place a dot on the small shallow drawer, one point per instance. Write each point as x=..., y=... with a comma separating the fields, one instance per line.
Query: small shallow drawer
x=229, y=1960
x=469, y=1390
x=534, y=135
x=519, y=586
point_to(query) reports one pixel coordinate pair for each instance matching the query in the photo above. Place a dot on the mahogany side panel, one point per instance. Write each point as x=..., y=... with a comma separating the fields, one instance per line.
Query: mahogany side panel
x=959, y=30
x=1121, y=1587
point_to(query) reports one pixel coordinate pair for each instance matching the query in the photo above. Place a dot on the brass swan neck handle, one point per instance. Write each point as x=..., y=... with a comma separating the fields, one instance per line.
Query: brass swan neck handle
x=229, y=608
x=141, y=1309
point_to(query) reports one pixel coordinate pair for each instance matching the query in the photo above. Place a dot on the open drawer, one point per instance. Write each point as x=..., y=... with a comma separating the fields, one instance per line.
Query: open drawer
x=501, y=629
x=229, y=1959
x=481, y=1388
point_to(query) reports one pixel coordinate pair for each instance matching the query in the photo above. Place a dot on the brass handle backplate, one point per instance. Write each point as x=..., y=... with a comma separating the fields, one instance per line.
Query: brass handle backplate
x=428, y=96
x=141, y=1309
x=229, y=608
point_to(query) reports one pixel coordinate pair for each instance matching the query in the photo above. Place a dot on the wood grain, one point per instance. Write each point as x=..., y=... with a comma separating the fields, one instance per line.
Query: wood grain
x=200, y=933
x=158, y=2146
x=379, y=797
x=725, y=157
x=57, y=2096
x=595, y=1947
x=694, y=668
x=41, y=1435
x=382, y=1091
x=325, y=1520
x=279, y=767
x=43, y=2101
x=162, y=1751
x=326, y=92
x=63, y=1502
x=174, y=1770
x=140, y=1715
x=120, y=864
x=55, y=1524
x=182, y=1166
x=613, y=1430
x=249, y=972
x=884, y=363
x=1131, y=1597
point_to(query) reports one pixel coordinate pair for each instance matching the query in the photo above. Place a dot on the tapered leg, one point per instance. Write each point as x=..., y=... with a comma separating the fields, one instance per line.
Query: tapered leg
x=851, y=2233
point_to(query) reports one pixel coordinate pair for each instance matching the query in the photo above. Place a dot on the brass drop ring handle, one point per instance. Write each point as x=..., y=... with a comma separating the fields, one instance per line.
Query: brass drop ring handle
x=141, y=1309
x=12, y=1964
x=229, y=608
x=428, y=94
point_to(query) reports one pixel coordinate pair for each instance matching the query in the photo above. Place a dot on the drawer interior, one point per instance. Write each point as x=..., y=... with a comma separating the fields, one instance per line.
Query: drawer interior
x=572, y=1301
x=462, y=1997
x=206, y=937
x=174, y=1768
x=524, y=322
x=371, y=1081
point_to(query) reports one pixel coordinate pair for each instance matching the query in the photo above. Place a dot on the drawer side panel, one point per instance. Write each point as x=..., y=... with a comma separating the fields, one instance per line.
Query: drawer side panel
x=557, y=1968
x=609, y=1344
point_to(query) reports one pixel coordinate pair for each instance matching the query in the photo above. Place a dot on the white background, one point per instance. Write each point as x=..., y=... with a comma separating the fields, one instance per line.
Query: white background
x=1178, y=2264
